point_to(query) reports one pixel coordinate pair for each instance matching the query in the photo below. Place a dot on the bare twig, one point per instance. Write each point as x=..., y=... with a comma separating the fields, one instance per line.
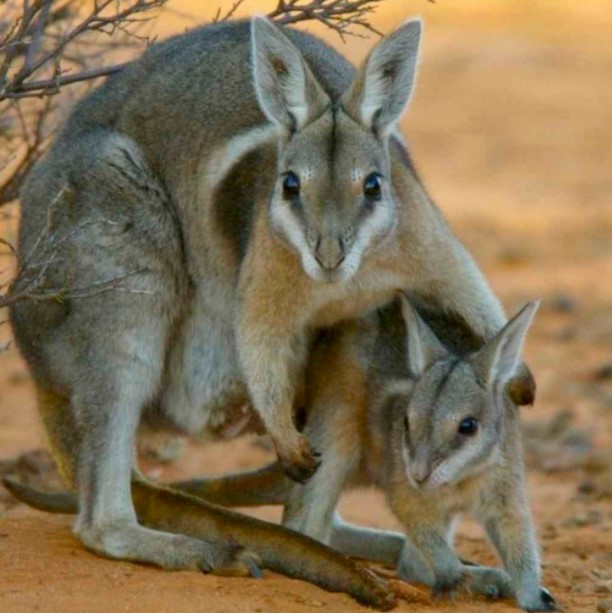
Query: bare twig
x=342, y=16
x=230, y=13
x=44, y=46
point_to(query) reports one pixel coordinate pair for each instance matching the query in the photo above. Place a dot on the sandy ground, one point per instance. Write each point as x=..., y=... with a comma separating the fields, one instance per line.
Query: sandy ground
x=512, y=129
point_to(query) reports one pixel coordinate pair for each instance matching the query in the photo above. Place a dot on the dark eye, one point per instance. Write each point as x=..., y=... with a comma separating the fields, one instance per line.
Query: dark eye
x=406, y=423
x=372, y=186
x=469, y=426
x=291, y=186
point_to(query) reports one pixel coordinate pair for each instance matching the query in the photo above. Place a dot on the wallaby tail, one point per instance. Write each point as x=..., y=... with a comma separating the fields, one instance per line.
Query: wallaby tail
x=262, y=486
x=280, y=549
x=266, y=485
x=52, y=502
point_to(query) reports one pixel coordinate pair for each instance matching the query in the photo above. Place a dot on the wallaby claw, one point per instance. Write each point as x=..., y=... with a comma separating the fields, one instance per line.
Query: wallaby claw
x=301, y=462
x=547, y=602
x=543, y=601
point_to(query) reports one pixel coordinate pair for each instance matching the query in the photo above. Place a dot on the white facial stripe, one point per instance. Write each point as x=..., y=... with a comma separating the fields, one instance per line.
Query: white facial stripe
x=224, y=158
x=451, y=468
x=373, y=226
x=287, y=223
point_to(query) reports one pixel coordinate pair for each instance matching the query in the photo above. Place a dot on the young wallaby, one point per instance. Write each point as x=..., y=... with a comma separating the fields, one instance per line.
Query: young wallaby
x=208, y=208
x=455, y=447
x=433, y=424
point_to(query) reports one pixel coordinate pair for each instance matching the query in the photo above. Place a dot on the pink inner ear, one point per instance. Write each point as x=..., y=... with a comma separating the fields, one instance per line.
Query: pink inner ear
x=522, y=388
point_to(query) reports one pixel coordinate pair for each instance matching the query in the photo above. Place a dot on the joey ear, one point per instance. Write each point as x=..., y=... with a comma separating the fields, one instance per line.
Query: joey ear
x=288, y=93
x=499, y=359
x=422, y=345
x=383, y=85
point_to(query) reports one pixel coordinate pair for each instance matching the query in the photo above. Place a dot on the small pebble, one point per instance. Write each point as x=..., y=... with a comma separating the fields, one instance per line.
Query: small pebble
x=584, y=519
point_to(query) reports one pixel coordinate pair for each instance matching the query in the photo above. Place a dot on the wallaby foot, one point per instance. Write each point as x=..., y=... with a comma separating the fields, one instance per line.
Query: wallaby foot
x=447, y=586
x=489, y=582
x=129, y=541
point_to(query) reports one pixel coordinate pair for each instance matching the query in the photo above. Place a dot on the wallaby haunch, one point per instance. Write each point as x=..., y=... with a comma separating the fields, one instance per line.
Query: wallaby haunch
x=245, y=186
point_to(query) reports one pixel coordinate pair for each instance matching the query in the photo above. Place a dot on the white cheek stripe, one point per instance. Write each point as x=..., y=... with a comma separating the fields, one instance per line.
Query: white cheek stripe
x=225, y=157
x=451, y=468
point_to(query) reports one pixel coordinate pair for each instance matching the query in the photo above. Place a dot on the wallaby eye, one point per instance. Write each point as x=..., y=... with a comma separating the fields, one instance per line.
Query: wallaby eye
x=469, y=426
x=291, y=186
x=372, y=186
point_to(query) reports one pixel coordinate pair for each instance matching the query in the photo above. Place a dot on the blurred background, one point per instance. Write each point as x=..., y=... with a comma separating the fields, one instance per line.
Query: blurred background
x=511, y=130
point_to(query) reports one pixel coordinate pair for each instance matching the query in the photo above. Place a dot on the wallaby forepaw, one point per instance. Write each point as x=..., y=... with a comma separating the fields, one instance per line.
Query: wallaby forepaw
x=544, y=601
x=300, y=461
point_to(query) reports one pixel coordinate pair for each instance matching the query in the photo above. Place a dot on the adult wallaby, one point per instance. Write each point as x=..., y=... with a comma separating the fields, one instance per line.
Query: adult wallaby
x=211, y=205
x=430, y=421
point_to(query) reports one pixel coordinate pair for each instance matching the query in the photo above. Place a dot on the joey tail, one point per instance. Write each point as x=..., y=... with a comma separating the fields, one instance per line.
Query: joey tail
x=263, y=486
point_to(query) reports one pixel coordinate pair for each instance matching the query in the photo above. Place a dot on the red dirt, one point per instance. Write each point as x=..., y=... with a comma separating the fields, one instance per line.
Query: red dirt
x=511, y=127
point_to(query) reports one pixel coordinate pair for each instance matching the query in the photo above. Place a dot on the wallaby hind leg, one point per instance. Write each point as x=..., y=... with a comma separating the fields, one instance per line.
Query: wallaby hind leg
x=106, y=521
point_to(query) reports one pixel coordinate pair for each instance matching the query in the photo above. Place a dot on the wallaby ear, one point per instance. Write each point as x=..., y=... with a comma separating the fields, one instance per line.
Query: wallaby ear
x=422, y=345
x=287, y=91
x=385, y=80
x=499, y=359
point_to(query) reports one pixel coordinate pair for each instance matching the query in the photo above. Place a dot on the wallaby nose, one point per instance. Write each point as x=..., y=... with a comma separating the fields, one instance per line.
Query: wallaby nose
x=420, y=473
x=329, y=252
